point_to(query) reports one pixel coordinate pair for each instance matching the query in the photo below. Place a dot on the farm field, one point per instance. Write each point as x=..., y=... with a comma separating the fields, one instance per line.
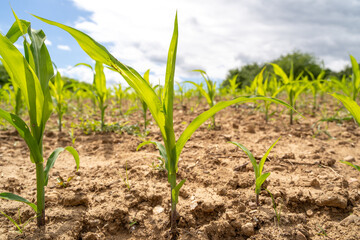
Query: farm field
x=317, y=197
x=273, y=155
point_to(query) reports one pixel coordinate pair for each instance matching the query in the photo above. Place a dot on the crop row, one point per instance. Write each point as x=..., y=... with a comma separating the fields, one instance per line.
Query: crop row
x=38, y=88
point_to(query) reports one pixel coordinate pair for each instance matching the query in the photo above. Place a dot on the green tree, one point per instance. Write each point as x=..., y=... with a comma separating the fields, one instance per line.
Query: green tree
x=245, y=75
x=301, y=62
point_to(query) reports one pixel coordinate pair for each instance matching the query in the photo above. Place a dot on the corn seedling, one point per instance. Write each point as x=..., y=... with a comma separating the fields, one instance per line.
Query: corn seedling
x=15, y=97
x=209, y=94
x=275, y=206
x=126, y=178
x=181, y=93
x=354, y=109
x=120, y=94
x=61, y=182
x=161, y=109
x=143, y=103
x=315, y=85
x=58, y=94
x=350, y=105
x=31, y=74
x=293, y=86
x=233, y=86
x=265, y=88
x=20, y=226
x=322, y=231
x=355, y=78
x=98, y=88
x=72, y=133
x=259, y=176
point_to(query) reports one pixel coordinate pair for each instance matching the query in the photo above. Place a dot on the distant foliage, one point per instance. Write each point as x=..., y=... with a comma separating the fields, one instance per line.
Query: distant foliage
x=301, y=62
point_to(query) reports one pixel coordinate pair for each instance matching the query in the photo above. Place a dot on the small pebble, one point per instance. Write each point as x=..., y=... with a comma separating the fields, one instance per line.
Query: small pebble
x=349, y=159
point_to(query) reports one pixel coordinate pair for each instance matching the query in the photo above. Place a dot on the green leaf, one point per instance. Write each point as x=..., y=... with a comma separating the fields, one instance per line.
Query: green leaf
x=99, y=53
x=14, y=197
x=356, y=72
x=199, y=120
x=202, y=91
x=278, y=71
x=263, y=159
x=350, y=105
x=161, y=148
x=14, y=32
x=259, y=181
x=175, y=191
x=25, y=78
x=251, y=157
x=24, y=132
x=84, y=64
x=100, y=82
x=351, y=165
x=54, y=155
x=146, y=75
x=168, y=99
x=13, y=221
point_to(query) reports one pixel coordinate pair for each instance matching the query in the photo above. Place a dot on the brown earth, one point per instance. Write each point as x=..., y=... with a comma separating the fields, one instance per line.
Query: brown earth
x=318, y=197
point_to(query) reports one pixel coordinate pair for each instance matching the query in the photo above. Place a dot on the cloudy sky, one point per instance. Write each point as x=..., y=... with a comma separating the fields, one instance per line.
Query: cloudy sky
x=214, y=35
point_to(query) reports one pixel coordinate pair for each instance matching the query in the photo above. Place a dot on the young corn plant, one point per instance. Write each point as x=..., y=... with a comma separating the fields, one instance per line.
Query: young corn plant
x=120, y=94
x=233, y=86
x=58, y=91
x=259, y=176
x=355, y=78
x=160, y=108
x=265, y=88
x=181, y=93
x=143, y=103
x=19, y=225
x=315, y=87
x=99, y=89
x=293, y=86
x=31, y=74
x=15, y=97
x=354, y=109
x=209, y=94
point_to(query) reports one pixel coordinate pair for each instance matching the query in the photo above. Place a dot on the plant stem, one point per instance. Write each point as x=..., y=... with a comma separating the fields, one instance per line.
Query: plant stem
x=60, y=121
x=173, y=224
x=257, y=199
x=102, y=117
x=213, y=121
x=144, y=116
x=267, y=112
x=40, y=194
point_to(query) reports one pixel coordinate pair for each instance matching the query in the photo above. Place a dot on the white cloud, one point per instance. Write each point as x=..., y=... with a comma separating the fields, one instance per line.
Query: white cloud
x=48, y=42
x=64, y=47
x=219, y=35
x=18, y=46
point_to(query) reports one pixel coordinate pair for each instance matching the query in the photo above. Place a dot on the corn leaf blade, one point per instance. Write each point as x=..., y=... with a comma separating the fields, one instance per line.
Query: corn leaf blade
x=351, y=165
x=176, y=190
x=168, y=100
x=99, y=53
x=14, y=197
x=350, y=105
x=251, y=156
x=259, y=181
x=199, y=120
x=263, y=159
x=24, y=132
x=54, y=155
